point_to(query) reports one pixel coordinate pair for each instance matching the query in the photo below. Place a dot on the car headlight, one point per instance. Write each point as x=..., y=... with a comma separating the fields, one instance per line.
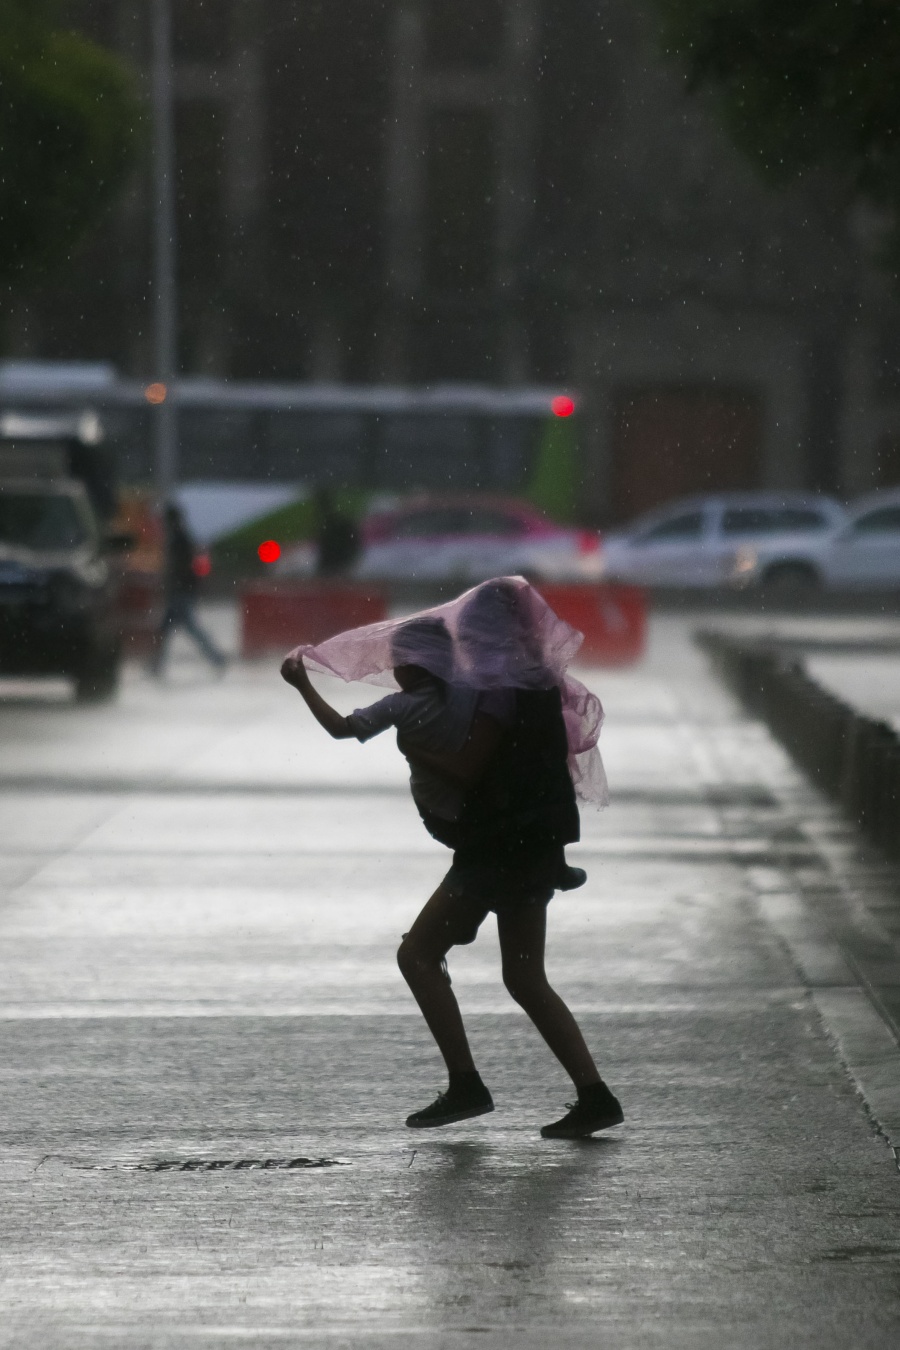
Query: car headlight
x=744, y=564
x=591, y=560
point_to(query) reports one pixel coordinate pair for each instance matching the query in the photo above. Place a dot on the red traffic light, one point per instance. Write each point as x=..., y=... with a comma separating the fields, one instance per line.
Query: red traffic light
x=562, y=406
x=269, y=551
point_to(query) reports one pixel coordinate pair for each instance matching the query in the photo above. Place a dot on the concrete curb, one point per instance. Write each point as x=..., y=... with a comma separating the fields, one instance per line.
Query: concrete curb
x=836, y=946
x=848, y=1007
x=870, y=1053
x=853, y=759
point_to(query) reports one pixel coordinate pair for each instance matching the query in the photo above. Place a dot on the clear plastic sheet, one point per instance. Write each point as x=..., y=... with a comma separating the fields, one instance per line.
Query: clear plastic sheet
x=498, y=635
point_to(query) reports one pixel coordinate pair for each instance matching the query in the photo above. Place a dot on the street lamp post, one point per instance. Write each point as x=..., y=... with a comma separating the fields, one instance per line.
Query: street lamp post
x=164, y=282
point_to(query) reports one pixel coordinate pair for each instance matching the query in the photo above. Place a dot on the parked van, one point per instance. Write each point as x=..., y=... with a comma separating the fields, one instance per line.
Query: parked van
x=58, y=581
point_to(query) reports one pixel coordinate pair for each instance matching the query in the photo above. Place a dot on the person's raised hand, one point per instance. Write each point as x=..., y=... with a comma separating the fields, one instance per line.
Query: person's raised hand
x=294, y=671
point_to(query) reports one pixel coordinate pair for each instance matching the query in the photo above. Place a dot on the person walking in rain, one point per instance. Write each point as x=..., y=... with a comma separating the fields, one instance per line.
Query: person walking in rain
x=510, y=774
x=337, y=538
x=180, y=591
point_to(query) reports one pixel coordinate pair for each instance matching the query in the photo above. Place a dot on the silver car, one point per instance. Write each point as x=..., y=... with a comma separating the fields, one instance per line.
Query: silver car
x=865, y=553
x=733, y=540
x=466, y=538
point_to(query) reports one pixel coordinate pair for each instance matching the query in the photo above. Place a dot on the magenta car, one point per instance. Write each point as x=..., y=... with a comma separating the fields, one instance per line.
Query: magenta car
x=467, y=539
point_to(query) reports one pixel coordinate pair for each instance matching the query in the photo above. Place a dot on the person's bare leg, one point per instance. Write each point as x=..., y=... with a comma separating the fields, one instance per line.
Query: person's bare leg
x=444, y=921
x=522, y=935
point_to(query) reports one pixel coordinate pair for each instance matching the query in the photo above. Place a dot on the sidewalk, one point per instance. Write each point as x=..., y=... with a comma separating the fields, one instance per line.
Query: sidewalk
x=200, y=899
x=856, y=658
x=868, y=681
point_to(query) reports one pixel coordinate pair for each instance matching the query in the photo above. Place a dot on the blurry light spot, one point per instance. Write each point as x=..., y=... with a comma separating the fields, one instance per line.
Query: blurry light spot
x=269, y=551
x=201, y=566
x=562, y=406
x=156, y=392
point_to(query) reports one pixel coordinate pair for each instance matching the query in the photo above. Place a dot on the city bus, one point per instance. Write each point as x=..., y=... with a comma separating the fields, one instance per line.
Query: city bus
x=378, y=437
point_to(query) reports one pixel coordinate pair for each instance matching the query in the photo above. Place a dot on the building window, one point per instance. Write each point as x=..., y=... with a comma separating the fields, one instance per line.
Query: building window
x=200, y=29
x=464, y=32
x=674, y=442
x=455, y=342
x=887, y=361
x=459, y=224
x=200, y=155
x=95, y=18
x=888, y=461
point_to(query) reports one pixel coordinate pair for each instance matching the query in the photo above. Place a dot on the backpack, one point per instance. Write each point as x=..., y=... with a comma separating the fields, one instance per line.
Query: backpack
x=525, y=801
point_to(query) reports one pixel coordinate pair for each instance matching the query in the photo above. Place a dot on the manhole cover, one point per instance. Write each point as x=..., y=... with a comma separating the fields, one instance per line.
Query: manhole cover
x=218, y=1165
x=237, y=1164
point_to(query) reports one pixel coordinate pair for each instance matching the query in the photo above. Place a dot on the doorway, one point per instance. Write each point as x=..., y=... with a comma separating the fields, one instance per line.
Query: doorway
x=671, y=442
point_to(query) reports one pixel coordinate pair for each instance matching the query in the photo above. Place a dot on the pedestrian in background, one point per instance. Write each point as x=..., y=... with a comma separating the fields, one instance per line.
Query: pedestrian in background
x=337, y=538
x=181, y=579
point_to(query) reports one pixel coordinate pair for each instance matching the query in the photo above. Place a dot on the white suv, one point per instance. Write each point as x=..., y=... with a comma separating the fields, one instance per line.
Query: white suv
x=865, y=553
x=734, y=540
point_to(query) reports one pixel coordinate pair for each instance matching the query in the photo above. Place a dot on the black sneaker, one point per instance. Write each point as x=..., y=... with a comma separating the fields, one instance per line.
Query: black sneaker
x=570, y=878
x=598, y=1110
x=452, y=1106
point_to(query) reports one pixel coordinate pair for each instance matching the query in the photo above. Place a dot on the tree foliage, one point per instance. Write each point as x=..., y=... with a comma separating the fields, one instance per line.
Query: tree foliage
x=803, y=85
x=68, y=131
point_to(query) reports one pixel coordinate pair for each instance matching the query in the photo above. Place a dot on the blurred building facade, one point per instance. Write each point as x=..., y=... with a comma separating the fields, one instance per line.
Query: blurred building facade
x=506, y=191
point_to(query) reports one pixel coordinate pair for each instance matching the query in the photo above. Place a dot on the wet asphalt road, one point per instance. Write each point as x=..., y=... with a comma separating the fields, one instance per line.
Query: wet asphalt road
x=200, y=898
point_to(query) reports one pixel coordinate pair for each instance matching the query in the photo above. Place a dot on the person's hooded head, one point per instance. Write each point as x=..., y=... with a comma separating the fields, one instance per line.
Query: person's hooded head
x=422, y=646
x=496, y=634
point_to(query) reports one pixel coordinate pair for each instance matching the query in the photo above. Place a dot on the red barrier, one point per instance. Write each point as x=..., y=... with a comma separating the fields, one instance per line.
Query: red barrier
x=278, y=615
x=612, y=618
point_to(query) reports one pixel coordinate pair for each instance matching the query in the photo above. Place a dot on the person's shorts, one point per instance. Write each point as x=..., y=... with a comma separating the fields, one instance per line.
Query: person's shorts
x=505, y=885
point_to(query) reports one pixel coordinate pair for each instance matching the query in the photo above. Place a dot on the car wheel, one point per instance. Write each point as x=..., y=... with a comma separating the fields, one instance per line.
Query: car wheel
x=791, y=581
x=97, y=680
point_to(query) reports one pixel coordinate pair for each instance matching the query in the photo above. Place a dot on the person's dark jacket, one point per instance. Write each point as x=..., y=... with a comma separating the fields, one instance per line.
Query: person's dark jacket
x=338, y=544
x=181, y=580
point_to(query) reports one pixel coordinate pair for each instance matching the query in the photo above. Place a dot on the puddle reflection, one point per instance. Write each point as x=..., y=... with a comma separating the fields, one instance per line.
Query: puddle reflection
x=495, y=1225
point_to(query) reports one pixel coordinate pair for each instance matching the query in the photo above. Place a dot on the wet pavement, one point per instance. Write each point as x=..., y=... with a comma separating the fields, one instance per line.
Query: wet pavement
x=208, y=1053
